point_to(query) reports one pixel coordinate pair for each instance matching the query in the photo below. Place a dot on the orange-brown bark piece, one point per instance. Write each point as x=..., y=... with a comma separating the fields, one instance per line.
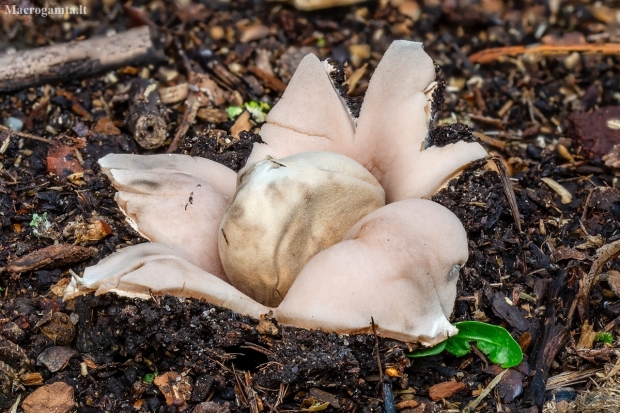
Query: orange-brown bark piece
x=53, y=398
x=491, y=55
x=445, y=390
x=175, y=388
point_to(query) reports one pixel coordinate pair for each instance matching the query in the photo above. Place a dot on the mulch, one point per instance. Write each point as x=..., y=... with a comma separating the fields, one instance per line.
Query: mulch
x=535, y=217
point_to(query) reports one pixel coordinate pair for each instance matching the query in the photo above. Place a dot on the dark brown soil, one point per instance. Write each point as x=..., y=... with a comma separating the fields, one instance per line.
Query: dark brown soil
x=523, y=279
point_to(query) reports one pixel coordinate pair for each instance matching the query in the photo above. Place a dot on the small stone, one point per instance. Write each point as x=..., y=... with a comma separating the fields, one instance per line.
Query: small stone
x=14, y=124
x=445, y=390
x=212, y=407
x=56, y=358
x=53, y=398
x=202, y=387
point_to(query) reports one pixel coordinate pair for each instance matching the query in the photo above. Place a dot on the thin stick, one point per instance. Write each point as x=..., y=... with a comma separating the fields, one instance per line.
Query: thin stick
x=490, y=55
x=510, y=193
x=471, y=406
x=26, y=135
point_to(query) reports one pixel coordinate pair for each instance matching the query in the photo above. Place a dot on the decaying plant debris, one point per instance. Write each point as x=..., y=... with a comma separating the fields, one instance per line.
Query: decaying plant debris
x=525, y=280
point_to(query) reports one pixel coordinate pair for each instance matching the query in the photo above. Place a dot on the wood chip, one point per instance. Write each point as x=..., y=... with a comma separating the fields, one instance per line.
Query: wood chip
x=175, y=388
x=52, y=256
x=445, y=390
x=407, y=404
x=586, y=340
x=270, y=80
x=213, y=115
x=53, y=398
x=325, y=397
x=242, y=123
x=31, y=379
x=613, y=279
x=174, y=94
x=565, y=253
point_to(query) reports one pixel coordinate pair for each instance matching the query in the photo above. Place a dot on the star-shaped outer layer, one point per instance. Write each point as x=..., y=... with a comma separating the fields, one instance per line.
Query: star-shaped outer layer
x=399, y=264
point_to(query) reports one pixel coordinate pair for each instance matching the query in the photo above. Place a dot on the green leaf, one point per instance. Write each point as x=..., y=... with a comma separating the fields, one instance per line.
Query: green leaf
x=320, y=42
x=149, y=377
x=38, y=219
x=494, y=341
x=428, y=351
x=234, y=111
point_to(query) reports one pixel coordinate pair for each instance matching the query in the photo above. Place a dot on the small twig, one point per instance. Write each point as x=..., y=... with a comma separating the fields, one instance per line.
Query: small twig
x=244, y=399
x=490, y=55
x=603, y=254
x=508, y=191
x=251, y=394
x=374, y=331
x=258, y=348
x=388, y=396
x=471, y=406
x=585, y=205
x=26, y=135
x=480, y=354
x=194, y=101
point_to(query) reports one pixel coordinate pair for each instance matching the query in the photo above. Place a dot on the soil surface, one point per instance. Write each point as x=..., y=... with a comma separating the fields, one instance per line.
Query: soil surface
x=543, y=118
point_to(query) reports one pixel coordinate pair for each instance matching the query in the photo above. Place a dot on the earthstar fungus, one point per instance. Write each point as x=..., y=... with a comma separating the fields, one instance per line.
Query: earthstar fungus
x=306, y=230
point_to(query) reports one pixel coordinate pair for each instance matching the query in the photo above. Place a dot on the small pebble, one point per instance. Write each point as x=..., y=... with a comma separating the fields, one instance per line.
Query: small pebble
x=14, y=124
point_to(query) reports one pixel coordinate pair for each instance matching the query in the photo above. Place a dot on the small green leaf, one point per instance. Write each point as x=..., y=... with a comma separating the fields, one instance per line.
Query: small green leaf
x=493, y=341
x=38, y=219
x=258, y=110
x=604, y=337
x=149, y=377
x=320, y=42
x=234, y=111
x=428, y=351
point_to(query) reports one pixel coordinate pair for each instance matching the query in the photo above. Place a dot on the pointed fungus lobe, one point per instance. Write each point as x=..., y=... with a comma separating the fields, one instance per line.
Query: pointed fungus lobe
x=149, y=269
x=309, y=117
x=287, y=210
x=177, y=200
x=396, y=265
x=391, y=130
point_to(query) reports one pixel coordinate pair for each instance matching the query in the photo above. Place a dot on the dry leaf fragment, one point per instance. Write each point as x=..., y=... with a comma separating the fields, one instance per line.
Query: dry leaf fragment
x=176, y=389
x=62, y=161
x=105, y=126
